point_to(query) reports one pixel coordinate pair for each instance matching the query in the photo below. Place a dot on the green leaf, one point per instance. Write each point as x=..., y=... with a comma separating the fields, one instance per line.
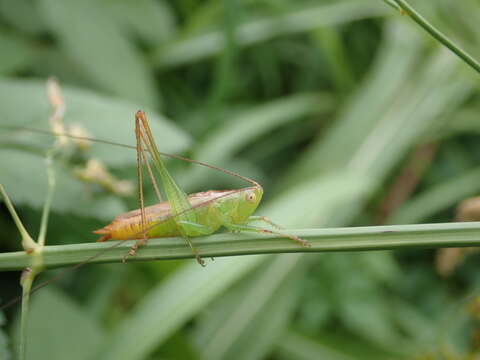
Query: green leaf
x=60, y=329
x=4, y=350
x=17, y=54
x=200, y=46
x=365, y=110
x=153, y=21
x=25, y=180
x=377, y=142
x=465, y=122
x=168, y=306
x=298, y=347
x=336, y=191
x=365, y=311
x=438, y=198
x=88, y=34
x=245, y=127
x=22, y=14
x=101, y=116
x=257, y=316
x=334, y=346
x=418, y=325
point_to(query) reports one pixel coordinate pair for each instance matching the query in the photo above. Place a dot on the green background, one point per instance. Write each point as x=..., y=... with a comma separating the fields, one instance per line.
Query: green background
x=333, y=106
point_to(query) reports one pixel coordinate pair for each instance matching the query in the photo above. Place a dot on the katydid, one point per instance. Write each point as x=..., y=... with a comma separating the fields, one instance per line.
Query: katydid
x=184, y=215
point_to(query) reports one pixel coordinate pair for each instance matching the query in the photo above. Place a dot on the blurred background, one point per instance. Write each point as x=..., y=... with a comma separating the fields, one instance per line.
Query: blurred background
x=346, y=112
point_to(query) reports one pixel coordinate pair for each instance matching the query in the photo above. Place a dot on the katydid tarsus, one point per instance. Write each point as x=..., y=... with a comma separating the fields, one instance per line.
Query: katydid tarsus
x=187, y=216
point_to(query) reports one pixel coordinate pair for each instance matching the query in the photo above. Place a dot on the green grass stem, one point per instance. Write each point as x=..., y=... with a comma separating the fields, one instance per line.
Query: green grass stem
x=28, y=276
x=27, y=242
x=438, y=35
x=322, y=240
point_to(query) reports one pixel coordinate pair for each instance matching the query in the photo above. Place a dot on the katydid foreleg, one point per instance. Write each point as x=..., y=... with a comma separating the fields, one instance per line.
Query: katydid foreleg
x=265, y=219
x=256, y=229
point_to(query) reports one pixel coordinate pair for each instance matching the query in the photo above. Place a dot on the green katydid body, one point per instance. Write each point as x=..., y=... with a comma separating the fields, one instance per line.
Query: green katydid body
x=213, y=209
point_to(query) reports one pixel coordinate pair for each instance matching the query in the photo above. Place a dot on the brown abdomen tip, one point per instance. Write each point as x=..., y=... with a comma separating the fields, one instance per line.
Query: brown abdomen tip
x=106, y=232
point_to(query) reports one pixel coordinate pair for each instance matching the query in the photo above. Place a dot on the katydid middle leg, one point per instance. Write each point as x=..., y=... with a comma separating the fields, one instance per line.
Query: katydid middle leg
x=191, y=228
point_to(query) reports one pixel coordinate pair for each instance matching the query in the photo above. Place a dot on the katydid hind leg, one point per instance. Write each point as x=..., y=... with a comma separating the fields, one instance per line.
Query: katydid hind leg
x=179, y=204
x=134, y=248
x=141, y=160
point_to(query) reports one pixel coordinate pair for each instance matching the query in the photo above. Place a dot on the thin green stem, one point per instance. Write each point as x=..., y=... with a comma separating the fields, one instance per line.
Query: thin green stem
x=420, y=20
x=26, y=282
x=393, y=4
x=27, y=242
x=33, y=258
x=48, y=201
x=34, y=250
x=322, y=240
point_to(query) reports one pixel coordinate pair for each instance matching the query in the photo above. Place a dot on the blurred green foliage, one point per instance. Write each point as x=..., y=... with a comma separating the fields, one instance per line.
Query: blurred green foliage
x=326, y=103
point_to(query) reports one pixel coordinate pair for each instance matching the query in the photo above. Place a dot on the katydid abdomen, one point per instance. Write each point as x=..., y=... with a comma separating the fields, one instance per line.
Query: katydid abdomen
x=212, y=210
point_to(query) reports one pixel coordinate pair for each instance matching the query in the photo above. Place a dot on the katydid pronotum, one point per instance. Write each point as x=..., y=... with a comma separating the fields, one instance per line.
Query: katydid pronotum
x=189, y=216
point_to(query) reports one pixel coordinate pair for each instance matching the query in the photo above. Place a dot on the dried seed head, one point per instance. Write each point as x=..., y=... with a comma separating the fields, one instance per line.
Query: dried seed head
x=97, y=173
x=58, y=105
x=80, y=135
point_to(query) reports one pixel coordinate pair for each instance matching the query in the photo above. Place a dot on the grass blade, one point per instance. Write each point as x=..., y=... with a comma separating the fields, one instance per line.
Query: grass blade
x=322, y=240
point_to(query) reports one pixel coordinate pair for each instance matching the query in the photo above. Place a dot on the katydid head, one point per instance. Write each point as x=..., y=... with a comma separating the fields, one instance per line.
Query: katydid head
x=250, y=198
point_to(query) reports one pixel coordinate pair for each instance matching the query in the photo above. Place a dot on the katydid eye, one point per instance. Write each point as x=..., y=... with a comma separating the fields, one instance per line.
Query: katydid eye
x=251, y=197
